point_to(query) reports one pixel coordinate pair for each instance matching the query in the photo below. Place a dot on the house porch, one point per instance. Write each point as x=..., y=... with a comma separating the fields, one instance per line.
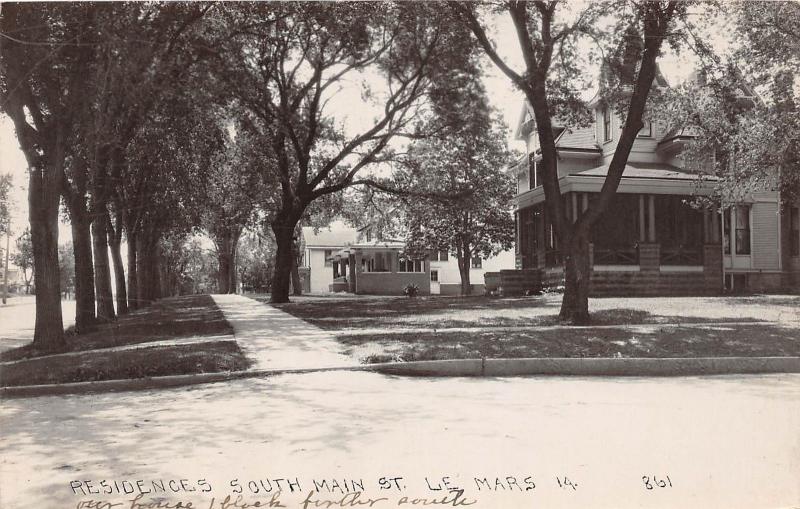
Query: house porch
x=644, y=244
x=378, y=269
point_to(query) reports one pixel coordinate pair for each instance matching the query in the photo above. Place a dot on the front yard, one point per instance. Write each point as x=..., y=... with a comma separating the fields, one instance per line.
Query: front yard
x=173, y=336
x=378, y=329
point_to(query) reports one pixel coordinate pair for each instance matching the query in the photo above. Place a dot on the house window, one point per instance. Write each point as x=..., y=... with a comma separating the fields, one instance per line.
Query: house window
x=743, y=229
x=476, y=262
x=328, y=253
x=369, y=235
x=532, y=174
x=381, y=262
x=794, y=227
x=726, y=231
x=438, y=256
x=606, y=124
x=409, y=265
x=434, y=276
x=647, y=130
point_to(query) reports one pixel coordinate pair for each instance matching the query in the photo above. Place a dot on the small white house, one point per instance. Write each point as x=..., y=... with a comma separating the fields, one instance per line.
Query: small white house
x=338, y=259
x=319, y=246
x=446, y=279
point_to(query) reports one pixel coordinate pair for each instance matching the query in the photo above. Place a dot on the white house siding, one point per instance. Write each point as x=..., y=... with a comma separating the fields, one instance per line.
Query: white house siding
x=450, y=278
x=764, y=236
x=321, y=275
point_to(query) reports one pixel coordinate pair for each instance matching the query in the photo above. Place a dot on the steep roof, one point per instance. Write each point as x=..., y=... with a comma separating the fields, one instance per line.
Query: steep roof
x=581, y=138
x=337, y=234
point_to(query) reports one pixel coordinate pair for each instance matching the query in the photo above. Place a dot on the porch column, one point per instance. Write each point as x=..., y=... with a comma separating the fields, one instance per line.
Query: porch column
x=574, y=207
x=642, y=229
x=715, y=228
x=712, y=268
x=584, y=201
x=652, y=218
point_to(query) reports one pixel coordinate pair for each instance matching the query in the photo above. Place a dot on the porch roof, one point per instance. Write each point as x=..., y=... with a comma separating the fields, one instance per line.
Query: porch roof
x=375, y=245
x=647, y=170
x=644, y=178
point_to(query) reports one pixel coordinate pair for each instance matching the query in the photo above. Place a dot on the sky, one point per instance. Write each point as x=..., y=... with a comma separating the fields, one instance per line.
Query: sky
x=503, y=96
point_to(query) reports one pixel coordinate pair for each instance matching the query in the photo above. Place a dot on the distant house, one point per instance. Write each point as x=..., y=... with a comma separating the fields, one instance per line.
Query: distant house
x=318, y=247
x=446, y=279
x=344, y=259
x=650, y=240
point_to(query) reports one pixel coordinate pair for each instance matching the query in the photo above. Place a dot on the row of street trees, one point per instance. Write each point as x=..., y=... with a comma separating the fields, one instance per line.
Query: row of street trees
x=150, y=121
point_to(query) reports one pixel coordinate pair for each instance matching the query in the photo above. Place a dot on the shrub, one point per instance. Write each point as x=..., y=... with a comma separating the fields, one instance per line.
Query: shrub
x=411, y=291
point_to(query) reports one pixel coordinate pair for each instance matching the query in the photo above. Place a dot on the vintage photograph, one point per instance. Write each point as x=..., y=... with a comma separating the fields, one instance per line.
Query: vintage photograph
x=385, y=254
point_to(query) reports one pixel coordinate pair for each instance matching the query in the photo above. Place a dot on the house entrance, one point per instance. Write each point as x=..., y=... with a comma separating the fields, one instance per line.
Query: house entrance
x=435, y=288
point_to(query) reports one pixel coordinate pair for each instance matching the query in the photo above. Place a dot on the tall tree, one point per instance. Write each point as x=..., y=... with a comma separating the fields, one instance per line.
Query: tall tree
x=230, y=191
x=467, y=210
x=741, y=107
x=5, y=229
x=5, y=203
x=547, y=39
x=283, y=63
x=130, y=80
x=256, y=255
x=42, y=76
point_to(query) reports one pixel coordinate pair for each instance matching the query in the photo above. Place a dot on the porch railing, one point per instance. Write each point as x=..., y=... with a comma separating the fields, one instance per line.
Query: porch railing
x=621, y=256
x=681, y=255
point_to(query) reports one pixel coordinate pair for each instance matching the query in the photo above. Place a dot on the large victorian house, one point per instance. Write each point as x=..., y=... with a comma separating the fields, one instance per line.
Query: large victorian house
x=651, y=240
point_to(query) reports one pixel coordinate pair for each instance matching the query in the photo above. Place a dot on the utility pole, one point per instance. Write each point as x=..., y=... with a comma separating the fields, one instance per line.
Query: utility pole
x=5, y=277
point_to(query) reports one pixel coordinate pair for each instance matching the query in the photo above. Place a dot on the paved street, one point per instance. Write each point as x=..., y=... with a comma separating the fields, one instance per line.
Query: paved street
x=18, y=316
x=722, y=442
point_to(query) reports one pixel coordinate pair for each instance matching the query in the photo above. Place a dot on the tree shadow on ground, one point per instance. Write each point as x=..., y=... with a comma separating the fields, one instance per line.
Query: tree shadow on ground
x=746, y=340
x=175, y=317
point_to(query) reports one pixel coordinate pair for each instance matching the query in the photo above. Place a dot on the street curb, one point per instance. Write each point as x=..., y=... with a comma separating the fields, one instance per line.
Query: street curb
x=157, y=382
x=671, y=366
x=609, y=367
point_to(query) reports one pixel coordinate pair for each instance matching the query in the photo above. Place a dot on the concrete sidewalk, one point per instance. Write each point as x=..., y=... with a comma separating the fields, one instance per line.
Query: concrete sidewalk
x=274, y=339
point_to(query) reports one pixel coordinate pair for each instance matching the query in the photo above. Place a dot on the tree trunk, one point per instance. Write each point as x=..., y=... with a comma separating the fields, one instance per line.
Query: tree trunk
x=115, y=244
x=233, y=281
x=226, y=265
x=284, y=233
x=141, y=271
x=577, y=275
x=102, y=270
x=119, y=276
x=156, y=286
x=43, y=202
x=133, y=287
x=148, y=272
x=85, y=316
x=297, y=284
x=463, y=255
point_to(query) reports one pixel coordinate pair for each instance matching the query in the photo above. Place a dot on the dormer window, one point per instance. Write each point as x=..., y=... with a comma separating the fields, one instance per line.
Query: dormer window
x=647, y=130
x=606, y=124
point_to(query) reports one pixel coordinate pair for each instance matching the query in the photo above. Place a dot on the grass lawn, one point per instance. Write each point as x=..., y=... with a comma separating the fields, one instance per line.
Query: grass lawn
x=392, y=328
x=176, y=318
